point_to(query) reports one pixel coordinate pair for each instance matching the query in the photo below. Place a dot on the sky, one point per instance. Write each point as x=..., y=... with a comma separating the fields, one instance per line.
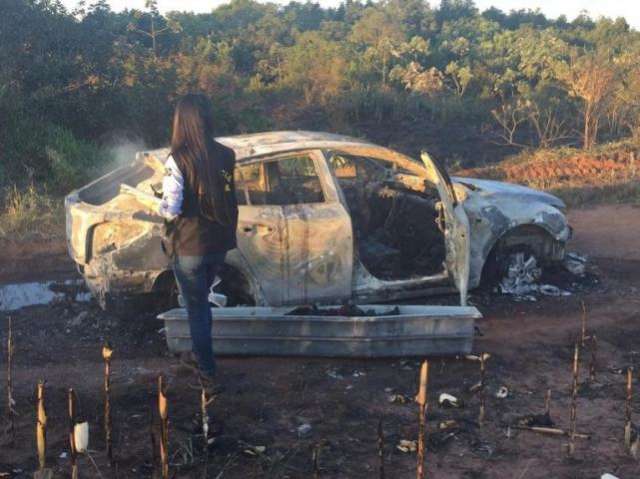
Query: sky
x=630, y=9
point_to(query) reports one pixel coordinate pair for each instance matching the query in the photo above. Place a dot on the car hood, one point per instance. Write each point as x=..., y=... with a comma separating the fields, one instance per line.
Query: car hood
x=499, y=188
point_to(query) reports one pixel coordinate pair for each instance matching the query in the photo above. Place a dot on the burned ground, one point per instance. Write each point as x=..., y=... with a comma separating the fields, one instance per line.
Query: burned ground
x=269, y=399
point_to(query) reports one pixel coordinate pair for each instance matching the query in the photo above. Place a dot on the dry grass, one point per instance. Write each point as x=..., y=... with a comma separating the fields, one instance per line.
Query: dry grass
x=29, y=214
x=609, y=173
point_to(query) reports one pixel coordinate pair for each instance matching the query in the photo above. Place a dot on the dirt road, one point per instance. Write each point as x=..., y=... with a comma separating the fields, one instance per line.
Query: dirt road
x=267, y=400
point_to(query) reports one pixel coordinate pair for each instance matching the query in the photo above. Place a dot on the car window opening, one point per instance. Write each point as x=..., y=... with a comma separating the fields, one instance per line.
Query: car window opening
x=287, y=181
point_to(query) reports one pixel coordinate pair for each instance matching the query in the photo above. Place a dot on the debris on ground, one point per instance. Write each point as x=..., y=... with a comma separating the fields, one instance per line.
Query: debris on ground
x=475, y=357
x=524, y=278
x=79, y=318
x=575, y=263
x=332, y=373
x=535, y=420
x=502, y=393
x=304, y=430
x=407, y=445
x=448, y=401
x=448, y=424
x=350, y=310
x=399, y=399
x=81, y=436
x=254, y=450
x=526, y=292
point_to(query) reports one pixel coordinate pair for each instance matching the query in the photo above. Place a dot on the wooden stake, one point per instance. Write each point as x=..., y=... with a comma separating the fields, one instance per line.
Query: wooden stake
x=10, y=402
x=164, y=429
x=72, y=434
x=583, y=336
x=41, y=428
x=152, y=437
x=421, y=399
x=205, y=418
x=574, y=400
x=628, y=424
x=107, y=352
x=316, y=462
x=483, y=368
x=380, y=450
x=547, y=403
x=594, y=354
x=204, y=404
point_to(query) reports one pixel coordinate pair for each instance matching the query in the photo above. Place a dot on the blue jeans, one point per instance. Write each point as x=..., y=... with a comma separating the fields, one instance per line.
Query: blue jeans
x=194, y=275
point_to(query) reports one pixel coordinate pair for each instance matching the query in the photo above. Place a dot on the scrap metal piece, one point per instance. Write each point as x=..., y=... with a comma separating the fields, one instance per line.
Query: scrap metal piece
x=575, y=264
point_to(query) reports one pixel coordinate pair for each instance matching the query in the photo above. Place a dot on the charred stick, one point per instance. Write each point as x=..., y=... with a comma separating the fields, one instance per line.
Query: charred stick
x=547, y=403
x=41, y=427
x=316, y=462
x=421, y=399
x=380, y=450
x=107, y=352
x=583, y=335
x=205, y=418
x=574, y=400
x=483, y=368
x=551, y=431
x=594, y=354
x=154, y=447
x=628, y=424
x=164, y=428
x=72, y=434
x=10, y=401
x=204, y=403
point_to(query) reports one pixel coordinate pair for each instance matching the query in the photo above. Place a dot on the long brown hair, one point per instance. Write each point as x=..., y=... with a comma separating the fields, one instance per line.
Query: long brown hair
x=192, y=146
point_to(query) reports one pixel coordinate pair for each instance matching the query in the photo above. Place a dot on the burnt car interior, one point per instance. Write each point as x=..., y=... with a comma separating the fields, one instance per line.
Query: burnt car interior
x=108, y=187
x=397, y=227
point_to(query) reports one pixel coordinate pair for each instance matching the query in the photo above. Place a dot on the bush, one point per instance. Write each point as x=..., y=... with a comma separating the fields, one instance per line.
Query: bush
x=71, y=161
x=37, y=152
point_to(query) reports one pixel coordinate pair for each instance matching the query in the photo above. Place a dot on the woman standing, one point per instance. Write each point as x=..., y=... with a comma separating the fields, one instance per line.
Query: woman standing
x=199, y=203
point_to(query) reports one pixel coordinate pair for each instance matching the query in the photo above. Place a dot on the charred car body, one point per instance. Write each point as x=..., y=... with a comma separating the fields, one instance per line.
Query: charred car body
x=323, y=218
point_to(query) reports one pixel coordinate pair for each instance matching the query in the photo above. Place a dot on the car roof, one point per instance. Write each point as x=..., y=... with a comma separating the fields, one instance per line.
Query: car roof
x=254, y=145
x=272, y=142
x=274, y=138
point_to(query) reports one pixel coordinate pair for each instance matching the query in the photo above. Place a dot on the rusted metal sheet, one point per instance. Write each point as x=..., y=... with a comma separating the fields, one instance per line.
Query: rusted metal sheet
x=385, y=331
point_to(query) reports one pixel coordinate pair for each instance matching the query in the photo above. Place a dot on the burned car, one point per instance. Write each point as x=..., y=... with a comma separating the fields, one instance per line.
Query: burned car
x=324, y=218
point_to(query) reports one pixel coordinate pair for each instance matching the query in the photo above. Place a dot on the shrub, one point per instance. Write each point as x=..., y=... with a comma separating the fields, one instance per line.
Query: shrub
x=47, y=155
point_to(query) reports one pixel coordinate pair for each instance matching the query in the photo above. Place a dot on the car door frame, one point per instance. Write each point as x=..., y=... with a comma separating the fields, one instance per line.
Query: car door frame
x=457, y=233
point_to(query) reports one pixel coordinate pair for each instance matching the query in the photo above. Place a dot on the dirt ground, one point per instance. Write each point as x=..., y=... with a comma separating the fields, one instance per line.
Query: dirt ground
x=267, y=399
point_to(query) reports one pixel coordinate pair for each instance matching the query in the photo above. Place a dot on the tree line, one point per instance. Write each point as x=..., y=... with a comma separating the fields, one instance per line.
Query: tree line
x=469, y=85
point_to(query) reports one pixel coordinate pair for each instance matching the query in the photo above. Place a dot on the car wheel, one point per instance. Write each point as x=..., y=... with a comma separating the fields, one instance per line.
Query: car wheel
x=520, y=271
x=514, y=264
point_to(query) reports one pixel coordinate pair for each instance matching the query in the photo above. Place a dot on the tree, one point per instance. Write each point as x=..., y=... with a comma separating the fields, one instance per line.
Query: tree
x=153, y=31
x=381, y=35
x=316, y=67
x=592, y=78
